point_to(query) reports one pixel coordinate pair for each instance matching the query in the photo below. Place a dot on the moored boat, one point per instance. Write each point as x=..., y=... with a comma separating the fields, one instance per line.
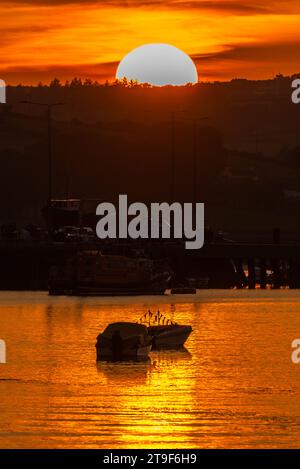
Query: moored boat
x=123, y=341
x=171, y=336
x=183, y=291
x=165, y=334
x=62, y=212
x=89, y=273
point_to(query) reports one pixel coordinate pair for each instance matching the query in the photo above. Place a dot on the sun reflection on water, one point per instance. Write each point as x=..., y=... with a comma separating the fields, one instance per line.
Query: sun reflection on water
x=233, y=386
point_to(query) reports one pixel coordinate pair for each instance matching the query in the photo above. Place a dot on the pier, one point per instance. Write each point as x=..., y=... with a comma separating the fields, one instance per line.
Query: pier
x=25, y=265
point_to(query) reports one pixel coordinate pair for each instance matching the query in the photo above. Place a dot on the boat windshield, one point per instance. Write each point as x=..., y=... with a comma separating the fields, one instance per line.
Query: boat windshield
x=126, y=329
x=155, y=319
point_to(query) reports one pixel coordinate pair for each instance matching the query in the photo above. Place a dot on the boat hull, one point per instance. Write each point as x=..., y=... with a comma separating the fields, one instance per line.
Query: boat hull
x=183, y=291
x=91, y=274
x=169, y=337
x=108, y=291
x=123, y=341
x=140, y=353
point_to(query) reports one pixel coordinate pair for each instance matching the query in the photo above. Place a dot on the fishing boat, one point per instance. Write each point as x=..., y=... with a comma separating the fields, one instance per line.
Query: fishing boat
x=183, y=291
x=91, y=273
x=62, y=212
x=123, y=341
x=165, y=334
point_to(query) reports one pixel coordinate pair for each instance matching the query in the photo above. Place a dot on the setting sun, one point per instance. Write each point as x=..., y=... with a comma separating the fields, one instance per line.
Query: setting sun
x=158, y=65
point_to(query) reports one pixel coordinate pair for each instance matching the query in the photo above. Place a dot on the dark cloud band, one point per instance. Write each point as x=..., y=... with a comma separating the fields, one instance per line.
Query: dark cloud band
x=235, y=7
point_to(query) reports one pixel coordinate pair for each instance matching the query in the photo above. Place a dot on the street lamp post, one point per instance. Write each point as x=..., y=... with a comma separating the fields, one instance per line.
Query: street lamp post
x=50, y=152
x=172, y=115
x=172, y=159
x=172, y=179
x=195, y=121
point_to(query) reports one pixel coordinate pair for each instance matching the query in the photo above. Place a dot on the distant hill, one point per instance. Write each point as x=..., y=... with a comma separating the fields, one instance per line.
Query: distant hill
x=252, y=115
x=109, y=140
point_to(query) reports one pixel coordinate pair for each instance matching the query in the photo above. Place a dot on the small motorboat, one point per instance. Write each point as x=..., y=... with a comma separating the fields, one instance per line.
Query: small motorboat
x=183, y=291
x=124, y=341
x=164, y=333
x=171, y=336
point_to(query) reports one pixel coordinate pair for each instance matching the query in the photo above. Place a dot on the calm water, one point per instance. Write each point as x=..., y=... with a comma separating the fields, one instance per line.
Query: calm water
x=234, y=386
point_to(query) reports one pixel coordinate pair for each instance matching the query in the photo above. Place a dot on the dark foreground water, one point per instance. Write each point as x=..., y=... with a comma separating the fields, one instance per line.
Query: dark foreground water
x=234, y=386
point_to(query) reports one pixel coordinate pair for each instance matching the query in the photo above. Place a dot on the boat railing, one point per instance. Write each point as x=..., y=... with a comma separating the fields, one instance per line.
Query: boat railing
x=155, y=319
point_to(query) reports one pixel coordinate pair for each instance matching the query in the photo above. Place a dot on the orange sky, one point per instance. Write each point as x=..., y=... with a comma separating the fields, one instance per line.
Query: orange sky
x=41, y=39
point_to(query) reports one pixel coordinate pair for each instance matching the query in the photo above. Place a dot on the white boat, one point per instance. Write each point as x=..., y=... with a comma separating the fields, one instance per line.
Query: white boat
x=165, y=333
x=124, y=341
x=171, y=336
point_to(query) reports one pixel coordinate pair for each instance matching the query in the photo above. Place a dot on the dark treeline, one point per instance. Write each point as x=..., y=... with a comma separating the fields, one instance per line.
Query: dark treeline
x=117, y=138
x=78, y=82
x=252, y=115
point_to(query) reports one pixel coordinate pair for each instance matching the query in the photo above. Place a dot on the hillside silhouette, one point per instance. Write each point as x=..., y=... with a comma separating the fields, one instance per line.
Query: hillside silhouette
x=117, y=138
